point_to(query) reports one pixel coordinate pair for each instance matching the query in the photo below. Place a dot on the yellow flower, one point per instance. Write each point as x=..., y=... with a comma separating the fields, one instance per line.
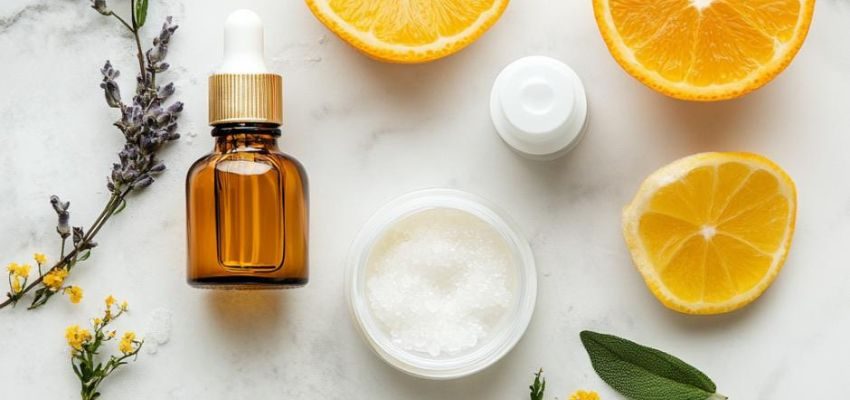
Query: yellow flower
x=585, y=395
x=55, y=278
x=75, y=293
x=126, y=344
x=12, y=267
x=112, y=334
x=40, y=258
x=109, y=301
x=22, y=271
x=77, y=336
x=16, y=285
x=97, y=322
x=124, y=306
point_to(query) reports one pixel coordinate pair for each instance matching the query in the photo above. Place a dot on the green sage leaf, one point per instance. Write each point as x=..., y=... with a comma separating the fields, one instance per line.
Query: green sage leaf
x=141, y=12
x=643, y=373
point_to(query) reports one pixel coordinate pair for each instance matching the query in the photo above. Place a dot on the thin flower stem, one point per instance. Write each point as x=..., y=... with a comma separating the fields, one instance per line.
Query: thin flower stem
x=123, y=22
x=100, y=218
x=135, y=30
x=66, y=260
x=61, y=253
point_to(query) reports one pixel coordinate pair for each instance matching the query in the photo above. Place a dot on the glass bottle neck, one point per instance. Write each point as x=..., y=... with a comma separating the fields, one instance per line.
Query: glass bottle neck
x=246, y=137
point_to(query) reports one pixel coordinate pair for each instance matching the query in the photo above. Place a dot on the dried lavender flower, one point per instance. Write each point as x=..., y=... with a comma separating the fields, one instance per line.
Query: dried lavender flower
x=146, y=124
x=62, y=226
x=100, y=6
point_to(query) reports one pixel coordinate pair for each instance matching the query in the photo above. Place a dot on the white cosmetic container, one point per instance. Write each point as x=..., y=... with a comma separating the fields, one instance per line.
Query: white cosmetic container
x=402, y=221
x=539, y=107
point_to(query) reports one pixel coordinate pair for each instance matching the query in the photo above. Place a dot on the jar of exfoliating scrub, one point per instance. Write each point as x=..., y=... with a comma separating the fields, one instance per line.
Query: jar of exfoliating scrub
x=441, y=284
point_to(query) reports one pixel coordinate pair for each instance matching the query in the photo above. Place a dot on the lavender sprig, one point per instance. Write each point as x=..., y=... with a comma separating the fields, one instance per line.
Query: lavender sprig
x=147, y=123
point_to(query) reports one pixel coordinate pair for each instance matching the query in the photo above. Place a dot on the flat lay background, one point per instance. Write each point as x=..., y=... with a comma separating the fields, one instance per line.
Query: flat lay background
x=368, y=132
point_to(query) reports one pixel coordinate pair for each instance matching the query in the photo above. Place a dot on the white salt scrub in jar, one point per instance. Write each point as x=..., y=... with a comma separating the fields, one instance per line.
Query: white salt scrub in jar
x=440, y=284
x=440, y=281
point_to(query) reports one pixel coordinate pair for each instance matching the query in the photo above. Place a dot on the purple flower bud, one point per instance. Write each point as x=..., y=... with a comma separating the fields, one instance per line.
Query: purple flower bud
x=149, y=144
x=175, y=108
x=58, y=205
x=116, y=174
x=100, y=6
x=63, y=215
x=165, y=91
x=112, y=93
x=159, y=167
x=108, y=72
x=142, y=182
x=156, y=54
x=163, y=119
x=166, y=32
x=128, y=175
x=78, y=234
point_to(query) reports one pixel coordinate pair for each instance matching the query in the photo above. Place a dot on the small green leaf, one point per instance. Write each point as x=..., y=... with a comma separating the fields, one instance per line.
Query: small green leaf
x=644, y=373
x=141, y=12
x=121, y=206
x=539, y=386
x=85, y=256
x=41, y=296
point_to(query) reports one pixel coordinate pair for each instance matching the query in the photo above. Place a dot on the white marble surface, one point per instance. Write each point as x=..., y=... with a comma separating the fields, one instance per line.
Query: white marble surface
x=368, y=132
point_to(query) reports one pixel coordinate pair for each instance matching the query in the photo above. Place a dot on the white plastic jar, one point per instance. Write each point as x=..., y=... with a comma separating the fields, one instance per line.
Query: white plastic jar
x=502, y=336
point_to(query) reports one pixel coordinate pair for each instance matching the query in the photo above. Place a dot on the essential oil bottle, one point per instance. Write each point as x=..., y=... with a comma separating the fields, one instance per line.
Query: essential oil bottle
x=246, y=202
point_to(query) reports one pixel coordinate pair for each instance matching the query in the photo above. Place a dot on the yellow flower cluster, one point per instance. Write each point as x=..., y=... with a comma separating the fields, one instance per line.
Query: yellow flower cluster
x=585, y=395
x=126, y=345
x=55, y=278
x=21, y=271
x=75, y=294
x=77, y=336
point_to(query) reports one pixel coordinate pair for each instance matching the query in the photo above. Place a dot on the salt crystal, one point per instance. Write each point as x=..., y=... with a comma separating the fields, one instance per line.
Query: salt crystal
x=440, y=281
x=157, y=330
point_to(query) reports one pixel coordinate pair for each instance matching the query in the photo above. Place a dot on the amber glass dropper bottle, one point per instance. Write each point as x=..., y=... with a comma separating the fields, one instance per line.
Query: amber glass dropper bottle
x=246, y=202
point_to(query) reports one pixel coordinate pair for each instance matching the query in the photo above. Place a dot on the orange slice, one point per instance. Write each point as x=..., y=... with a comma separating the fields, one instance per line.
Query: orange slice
x=710, y=232
x=704, y=49
x=408, y=31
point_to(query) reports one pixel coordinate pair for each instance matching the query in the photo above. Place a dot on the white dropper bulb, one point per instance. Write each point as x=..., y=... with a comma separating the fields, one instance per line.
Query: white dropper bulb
x=243, y=44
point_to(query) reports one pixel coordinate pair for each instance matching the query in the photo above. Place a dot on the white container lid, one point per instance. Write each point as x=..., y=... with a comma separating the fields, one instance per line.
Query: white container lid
x=539, y=107
x=491, y=350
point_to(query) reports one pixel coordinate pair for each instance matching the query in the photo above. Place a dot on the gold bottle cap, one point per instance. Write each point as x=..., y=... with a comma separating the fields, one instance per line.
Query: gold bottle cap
x=244, y=98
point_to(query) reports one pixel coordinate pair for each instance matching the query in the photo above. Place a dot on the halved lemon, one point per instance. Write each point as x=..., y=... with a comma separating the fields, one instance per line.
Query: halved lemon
x=704, y=49
x=408, y=31
x=710, y=232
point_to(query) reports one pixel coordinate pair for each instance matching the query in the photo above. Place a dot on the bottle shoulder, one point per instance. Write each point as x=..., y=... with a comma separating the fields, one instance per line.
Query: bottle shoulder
x=210, y=161
x=202, y=163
